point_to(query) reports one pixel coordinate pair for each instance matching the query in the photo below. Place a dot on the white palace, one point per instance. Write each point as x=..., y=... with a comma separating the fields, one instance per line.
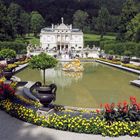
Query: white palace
x=62, y=38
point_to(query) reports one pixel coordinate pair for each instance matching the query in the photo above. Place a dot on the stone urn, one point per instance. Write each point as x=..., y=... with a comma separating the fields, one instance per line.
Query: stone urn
x=8, y=75
x=8, y=70
x=11, y=61
x=46, y=94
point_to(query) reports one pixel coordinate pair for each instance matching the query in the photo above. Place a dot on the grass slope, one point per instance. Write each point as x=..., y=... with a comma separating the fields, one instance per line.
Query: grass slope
x=33, y=40
x=94, y=37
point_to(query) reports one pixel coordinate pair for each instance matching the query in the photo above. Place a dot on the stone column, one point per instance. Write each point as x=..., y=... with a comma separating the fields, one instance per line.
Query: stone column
x=60, y=42
x=64, y=47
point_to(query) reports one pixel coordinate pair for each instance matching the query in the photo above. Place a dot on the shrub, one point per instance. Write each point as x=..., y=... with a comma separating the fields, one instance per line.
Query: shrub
x=91, y=43
x=18, y=46
x=7, y=53
x=121, y=48
x=103, y=43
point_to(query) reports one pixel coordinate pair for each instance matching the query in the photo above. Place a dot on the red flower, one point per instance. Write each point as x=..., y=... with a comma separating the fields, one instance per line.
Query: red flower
x=101, y=105
x=138, y=106
x=97, y=110
x=133, y=100
x=6, y=89
x=125, y=104
x=125, y=110
x=119, y=105
x=1, y=91
x=112, y=105
x=108, y=108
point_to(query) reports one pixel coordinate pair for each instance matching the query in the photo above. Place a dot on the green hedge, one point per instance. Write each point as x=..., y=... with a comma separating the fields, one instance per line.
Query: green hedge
x=18, y=46
x=91, y=43
x=120, y=48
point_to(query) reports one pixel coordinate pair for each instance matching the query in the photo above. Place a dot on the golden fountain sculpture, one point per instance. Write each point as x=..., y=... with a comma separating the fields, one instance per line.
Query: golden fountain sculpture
x=74, y=66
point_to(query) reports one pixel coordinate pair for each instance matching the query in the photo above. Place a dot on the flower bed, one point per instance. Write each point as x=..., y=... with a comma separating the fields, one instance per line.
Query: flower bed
x=22, y=62
x=93, y=125
x=7, y=67
x=109, y=121
x=110, y=61
x=11, y=66
x=122, y=112
x=119, y=63
x=131, y=66
x=74, y=124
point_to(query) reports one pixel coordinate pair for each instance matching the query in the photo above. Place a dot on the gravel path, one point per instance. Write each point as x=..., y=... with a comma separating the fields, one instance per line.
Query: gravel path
x=14, y=129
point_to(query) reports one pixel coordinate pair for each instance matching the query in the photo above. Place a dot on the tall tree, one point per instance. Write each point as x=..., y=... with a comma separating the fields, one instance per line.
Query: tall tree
x=37, y=22
x=129, y=11
x=14, y=13
x=5, y=26
x=113, y=23
x=67, y=8
x=25, y=23
x=80, y=19
x=133, y=29
x=102, y=21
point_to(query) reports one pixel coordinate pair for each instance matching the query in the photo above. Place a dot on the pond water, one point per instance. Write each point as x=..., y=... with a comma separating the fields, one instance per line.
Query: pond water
x=97, y=84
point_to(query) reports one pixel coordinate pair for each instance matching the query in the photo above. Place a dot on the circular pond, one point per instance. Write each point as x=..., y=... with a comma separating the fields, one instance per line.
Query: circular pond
x=95, y=85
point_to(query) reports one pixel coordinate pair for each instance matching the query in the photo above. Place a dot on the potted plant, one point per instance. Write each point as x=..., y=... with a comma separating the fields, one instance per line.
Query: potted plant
x=8, y=54
x=46, y=93
x=6, y=72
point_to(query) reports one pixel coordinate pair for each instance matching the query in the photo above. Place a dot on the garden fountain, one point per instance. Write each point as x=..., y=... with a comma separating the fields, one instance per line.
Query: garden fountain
x=74, y=66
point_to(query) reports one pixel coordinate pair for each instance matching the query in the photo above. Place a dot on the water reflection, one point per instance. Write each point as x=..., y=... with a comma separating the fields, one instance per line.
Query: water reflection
x=96, y=84
x=62, y=78
x=73, y=75
x=90, y=67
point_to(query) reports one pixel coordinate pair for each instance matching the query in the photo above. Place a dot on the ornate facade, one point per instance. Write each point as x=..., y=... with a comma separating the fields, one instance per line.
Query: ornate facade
x=61, y=38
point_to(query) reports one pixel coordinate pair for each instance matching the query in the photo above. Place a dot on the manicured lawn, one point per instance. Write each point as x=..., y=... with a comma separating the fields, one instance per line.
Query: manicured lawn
x=30, y=39
x=33, y=40
x=94, y=37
